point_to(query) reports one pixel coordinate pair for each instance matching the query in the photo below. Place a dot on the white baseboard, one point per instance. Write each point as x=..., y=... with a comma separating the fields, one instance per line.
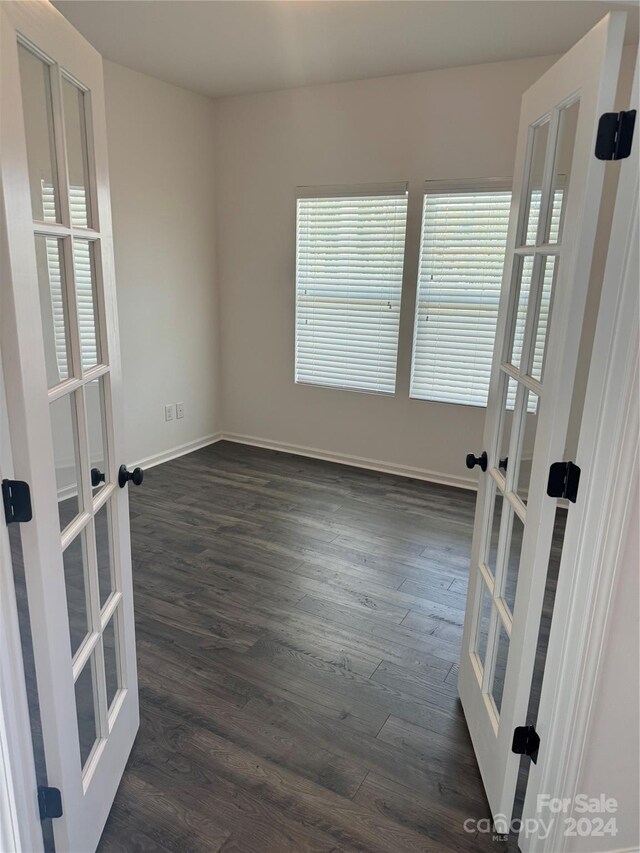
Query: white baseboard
x=175, y=452
x=355, y=461
x=313, y=453
x=67, y=492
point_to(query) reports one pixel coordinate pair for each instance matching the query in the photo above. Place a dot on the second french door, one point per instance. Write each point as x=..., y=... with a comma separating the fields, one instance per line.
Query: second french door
x=554, y=213
x=60, y=355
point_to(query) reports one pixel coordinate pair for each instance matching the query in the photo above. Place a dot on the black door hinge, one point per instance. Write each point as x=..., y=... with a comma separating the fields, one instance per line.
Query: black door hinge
x=49, y=802
x=16, y=497
x=526, y=741
x=563, y=481
x=615, y=135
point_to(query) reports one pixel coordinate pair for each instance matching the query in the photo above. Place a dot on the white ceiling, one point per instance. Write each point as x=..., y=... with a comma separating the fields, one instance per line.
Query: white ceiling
x=230, y=47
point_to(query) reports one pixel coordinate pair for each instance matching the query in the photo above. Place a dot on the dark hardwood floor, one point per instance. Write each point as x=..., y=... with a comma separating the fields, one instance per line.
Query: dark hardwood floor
x=298, y=630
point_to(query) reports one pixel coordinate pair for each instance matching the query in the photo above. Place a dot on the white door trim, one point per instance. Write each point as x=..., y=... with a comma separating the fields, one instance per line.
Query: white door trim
x=19, y=817
x=608, y=456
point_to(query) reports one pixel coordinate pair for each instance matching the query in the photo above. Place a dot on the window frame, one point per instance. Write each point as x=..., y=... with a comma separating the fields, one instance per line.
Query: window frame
x=339, y=191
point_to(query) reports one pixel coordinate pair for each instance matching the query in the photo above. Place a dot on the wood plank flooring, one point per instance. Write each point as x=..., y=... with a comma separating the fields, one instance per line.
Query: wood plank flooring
x=298, y=628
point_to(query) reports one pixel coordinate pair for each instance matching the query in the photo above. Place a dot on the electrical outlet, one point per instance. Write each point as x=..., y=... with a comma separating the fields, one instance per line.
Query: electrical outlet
x=179, y=410
x=168, y=412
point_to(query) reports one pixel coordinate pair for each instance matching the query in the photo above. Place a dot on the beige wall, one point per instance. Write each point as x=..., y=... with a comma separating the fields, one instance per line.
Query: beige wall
x=455, y=123
x=161, y=164
x=232, y=363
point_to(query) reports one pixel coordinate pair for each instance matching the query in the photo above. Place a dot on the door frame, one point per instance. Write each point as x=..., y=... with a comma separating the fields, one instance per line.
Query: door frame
x=20, y=827
x=608, y=455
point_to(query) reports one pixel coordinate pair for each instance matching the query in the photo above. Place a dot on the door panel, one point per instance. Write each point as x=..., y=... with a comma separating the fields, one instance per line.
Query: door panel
x=591, y=567
x=63, y=390
x=556, y=197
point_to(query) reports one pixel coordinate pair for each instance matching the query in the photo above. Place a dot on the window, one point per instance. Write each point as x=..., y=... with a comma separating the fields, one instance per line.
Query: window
x=349, y=263
x=464, y=235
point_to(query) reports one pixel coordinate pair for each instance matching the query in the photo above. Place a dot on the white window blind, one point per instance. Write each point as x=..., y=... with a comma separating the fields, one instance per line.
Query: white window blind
x=83, y=276
x=464, y=235
x=349, y=263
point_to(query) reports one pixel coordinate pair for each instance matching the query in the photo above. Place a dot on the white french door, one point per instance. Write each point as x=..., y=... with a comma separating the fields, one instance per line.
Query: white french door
x=554, y=213
x=62, y=372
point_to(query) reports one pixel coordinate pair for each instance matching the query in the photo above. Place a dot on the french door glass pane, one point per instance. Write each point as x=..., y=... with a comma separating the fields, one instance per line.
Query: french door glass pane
x=506, y=424
x=111, y=658
x=35, y=81
x=534, y=188
x=521, y=314
x=562, y=169
x=84, y=272
x=103, y=520
x=513, y=561
x=95, y=409
x=65, y=450
x=494, y=536
x=53, y=308
x=77, y=162
x=544, y=312
x=74, y=559
x=529, y=427
x=502, y=652
x=86, y=709
x=483, y=621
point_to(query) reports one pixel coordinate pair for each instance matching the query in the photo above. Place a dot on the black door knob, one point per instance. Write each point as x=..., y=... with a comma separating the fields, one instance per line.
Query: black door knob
x=481, y=460
x=124, y=475
x=97, y=477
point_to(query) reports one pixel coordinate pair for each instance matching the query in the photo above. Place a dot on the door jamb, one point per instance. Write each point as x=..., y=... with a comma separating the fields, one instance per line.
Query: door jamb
x=608, y=453
x=20, y=827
